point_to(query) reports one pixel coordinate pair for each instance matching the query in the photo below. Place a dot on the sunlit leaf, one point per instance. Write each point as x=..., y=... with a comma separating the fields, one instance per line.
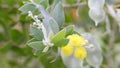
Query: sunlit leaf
x=59, y=36
x=69, y=29
x=62, y=42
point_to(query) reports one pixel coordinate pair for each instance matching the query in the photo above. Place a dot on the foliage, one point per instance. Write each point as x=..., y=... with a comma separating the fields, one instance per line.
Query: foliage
x=24, y=44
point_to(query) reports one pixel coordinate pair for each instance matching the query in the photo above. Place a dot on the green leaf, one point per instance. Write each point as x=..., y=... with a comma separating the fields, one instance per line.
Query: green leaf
x=16, y=36
x=27, y=7
x=68, y=16
x=58, y=14
x=37, y=33
x=69, y=29
x=51, y=35
x=37, y=45
x=59, y=36
x=31, y=40
x=62, y=42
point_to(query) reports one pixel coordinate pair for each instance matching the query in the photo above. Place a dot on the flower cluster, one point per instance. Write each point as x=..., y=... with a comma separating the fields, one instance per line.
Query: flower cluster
x=75, y=47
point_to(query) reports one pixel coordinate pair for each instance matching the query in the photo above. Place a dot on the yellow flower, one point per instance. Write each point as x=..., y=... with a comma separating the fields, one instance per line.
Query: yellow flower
x=76, y=40
x=67, y=50
x=80, y=52
x=75, y=47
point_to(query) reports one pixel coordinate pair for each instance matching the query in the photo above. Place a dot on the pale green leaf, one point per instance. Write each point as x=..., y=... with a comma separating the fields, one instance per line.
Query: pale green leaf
x=37, y=33
x=62, y=42
x=44, y=3
x=59, y=36
x=69, y=29
x=53, y=25
x=58, y=14
x=27, y=7
x=37, y=45
x=31, y=40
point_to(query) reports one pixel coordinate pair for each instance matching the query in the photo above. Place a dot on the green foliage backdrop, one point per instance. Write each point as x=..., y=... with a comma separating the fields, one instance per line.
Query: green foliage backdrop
x=14, y=33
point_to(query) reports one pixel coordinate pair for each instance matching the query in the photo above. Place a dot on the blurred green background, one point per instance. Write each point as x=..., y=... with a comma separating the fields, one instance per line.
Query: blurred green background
x=14, y=33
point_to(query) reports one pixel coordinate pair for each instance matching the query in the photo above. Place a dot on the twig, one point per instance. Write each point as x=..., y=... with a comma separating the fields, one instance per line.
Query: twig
x=74, y=5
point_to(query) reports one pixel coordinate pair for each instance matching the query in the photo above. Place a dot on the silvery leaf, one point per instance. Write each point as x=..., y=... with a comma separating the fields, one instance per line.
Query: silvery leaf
x=47, y=26
x=97, y=15
x=110, y=2
x=94, y=56
x=96, y=3
x=58, y=14
x=71, y=62
x=50, y=25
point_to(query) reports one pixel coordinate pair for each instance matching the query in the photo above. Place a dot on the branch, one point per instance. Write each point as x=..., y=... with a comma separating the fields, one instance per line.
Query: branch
x=74, y=5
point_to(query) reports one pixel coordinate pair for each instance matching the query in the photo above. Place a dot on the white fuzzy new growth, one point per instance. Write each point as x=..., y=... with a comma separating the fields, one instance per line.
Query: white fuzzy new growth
x=46, y=40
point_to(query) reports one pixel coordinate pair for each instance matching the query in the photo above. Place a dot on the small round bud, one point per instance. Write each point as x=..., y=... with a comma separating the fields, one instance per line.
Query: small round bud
x=35, y=16
x=30, y=13
x=91, y=46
